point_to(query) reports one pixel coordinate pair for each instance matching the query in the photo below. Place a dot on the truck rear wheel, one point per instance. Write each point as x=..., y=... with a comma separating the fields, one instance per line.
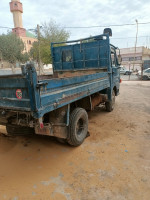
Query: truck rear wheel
x=110, y=104
x=78, y=127
x=18, y=130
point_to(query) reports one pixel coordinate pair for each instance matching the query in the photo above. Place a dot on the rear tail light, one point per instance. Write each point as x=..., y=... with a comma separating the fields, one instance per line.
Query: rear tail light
x=41, y=125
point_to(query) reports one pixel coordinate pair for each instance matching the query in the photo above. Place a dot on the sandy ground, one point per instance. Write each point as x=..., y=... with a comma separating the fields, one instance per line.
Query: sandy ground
x=112, y=164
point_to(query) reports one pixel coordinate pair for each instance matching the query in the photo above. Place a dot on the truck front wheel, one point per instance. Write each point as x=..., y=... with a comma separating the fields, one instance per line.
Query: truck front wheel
x=78, y=127
x=110, y=104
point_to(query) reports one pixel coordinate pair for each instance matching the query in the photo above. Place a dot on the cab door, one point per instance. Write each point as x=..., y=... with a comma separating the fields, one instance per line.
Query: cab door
x=115, y=69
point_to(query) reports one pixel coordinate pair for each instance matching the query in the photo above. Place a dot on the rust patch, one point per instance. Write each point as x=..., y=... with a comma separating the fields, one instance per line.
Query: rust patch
x=71, y=97
x=96, y=99
x=56, y=131
x=73, y=73
x=46, y=130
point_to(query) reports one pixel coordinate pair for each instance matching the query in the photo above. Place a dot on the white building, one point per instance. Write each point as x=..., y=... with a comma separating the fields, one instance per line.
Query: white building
x=135, y=60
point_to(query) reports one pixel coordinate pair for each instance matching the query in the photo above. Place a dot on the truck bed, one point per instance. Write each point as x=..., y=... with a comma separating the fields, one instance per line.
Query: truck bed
x=42, y=96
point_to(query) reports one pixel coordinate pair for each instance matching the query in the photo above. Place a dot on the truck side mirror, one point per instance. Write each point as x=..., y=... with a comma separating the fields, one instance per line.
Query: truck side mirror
x=119, y=59
x=107, y=31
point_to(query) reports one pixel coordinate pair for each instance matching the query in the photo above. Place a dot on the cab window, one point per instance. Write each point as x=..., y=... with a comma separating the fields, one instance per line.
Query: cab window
x=66, y=56
x=113, y=58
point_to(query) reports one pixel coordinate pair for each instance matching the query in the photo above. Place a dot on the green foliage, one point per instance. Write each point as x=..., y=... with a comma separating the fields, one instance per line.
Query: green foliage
x=25, y=57
x=34, y=51
x=11, y=48
x=88, y=40
x=54, y=33
x=50, y=32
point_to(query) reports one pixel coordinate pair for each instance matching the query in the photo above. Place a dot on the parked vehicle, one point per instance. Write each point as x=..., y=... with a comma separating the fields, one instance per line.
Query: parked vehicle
x=146, y=74
x=85, y=74
x=146, y=64
x=124, y=71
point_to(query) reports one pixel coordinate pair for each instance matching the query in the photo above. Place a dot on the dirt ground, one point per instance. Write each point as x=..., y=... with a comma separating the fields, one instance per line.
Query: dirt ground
x=112, y=164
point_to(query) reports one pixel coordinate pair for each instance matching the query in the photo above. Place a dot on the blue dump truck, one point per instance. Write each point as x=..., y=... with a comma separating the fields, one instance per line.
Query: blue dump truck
x=86, y=73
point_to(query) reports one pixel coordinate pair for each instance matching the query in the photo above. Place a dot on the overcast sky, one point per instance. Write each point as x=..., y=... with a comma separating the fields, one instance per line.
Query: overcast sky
x=79, y=13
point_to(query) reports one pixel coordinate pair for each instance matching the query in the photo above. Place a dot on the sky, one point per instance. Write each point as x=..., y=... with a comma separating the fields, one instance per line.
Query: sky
x=86, y=13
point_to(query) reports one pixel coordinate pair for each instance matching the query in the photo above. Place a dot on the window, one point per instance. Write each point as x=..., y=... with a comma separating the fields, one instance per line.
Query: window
x=113, y=58
x=125, y=59
x=147, y=71
x=136, y=58
x=67, y=56
x=131, y=59
x=139, y=58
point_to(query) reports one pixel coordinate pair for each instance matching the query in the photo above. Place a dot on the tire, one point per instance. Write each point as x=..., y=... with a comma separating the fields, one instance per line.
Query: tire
x=110, y=104
x=78, y=127
x=127, y=73
x=19, y=130
x=145, y=78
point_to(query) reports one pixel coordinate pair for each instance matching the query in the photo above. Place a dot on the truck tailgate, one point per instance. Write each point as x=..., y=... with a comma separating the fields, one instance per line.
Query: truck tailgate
x=14, y=93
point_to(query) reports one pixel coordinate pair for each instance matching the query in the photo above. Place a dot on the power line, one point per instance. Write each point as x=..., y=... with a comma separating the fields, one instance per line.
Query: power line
x=111, y=38
x=130, y=37
x=104, y=26
x=5, y=27
x=98, y=26
x=35, y=29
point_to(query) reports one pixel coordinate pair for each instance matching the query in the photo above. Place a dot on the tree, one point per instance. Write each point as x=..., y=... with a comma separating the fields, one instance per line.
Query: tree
x=25, y=57
x=11, y=48
x=50, y=32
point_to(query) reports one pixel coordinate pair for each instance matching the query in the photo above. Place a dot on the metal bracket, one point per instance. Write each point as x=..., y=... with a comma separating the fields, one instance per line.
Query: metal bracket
x=41, y=84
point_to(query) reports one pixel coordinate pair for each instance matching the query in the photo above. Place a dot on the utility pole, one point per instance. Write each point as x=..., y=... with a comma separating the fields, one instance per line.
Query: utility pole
x=129, y=71
x=135, y=42
x=142, y=71
x=39, y=50
x=1, y=60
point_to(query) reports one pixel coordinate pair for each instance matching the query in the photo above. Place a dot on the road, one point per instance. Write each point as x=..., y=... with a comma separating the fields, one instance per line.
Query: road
x=132, y=77
x=112, y=164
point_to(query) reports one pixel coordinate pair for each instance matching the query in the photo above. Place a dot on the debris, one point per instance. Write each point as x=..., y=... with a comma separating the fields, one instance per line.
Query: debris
x=33, y=193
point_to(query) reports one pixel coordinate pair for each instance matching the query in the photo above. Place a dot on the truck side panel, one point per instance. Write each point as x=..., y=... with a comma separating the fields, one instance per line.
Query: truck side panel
x=60, y=92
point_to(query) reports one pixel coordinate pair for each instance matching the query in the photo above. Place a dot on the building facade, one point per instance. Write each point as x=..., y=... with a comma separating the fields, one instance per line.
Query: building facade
x=134, y=59
x=28, y=38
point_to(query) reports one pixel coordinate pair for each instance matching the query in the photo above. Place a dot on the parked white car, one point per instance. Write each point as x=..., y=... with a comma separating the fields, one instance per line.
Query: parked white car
x=146, y=74
x=124, y=71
